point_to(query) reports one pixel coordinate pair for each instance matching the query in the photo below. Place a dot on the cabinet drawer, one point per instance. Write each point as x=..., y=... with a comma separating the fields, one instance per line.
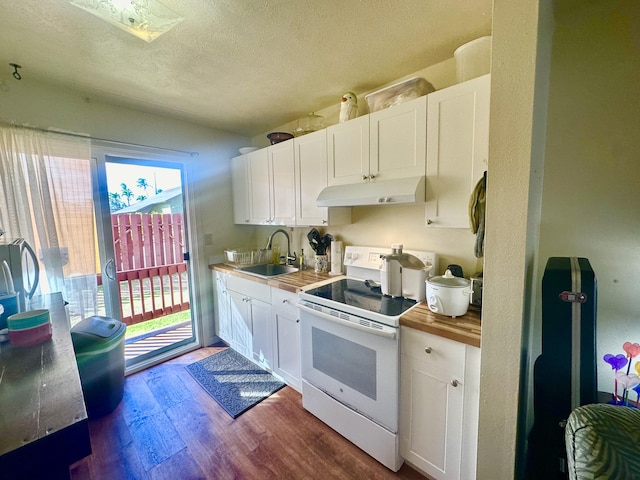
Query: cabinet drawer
x=284, y=300
x=249, y=288
x=441, y=355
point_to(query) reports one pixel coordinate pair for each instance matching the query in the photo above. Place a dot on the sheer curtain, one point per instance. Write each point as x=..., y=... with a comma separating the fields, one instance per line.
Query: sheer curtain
x=46, y=198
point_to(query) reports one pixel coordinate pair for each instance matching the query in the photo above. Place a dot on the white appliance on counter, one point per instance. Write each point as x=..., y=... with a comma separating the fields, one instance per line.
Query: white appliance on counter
x=350, y=353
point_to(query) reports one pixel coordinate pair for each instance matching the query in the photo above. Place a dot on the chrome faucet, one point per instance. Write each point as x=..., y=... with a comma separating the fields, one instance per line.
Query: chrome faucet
x=290, y=259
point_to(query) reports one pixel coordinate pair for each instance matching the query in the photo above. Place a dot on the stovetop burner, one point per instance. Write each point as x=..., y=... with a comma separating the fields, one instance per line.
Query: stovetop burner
x=356, y=293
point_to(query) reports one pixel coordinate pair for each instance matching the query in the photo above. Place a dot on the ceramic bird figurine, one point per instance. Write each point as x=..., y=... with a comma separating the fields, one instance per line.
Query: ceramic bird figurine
x=348, y=107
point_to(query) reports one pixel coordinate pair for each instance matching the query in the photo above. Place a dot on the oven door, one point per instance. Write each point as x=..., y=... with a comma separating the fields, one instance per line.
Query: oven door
x=353, y=360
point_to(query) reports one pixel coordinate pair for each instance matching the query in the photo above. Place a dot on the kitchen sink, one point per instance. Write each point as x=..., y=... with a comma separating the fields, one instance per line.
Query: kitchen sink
x=267, y=270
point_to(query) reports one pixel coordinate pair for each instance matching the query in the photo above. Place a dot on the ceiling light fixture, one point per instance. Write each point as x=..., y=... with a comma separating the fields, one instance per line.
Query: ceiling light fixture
x=146, y=19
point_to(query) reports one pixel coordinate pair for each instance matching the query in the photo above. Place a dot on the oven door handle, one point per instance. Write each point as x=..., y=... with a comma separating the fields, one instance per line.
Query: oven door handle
x=386, y=333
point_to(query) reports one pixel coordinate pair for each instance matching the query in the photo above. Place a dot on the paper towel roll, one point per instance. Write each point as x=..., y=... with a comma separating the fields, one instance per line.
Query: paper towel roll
x=336, y=258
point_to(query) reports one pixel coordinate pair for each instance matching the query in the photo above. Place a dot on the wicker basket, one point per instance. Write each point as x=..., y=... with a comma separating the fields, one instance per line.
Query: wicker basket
x=246, y=257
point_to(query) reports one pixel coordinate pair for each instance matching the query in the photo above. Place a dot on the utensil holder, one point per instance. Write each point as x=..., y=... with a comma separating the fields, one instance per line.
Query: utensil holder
x=321, y=264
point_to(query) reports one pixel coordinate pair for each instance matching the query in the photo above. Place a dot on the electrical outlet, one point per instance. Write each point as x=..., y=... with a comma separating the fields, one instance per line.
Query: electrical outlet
x=208, y=238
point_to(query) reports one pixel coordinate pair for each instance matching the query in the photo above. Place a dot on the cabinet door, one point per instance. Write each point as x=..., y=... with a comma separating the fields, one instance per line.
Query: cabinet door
x=471, y=413
x=222, y=308
x=240, y=184
x=432, y=404
x=283, y=188
x=286, y=337
x=241, y=328
x=262, y=342
x=348, y=151
x=311, y=176
x=260, y=210
x=457, y=150
x=398, y=137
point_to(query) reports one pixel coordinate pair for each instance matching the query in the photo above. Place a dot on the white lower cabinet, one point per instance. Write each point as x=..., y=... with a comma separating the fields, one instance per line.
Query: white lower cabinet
x=243, y=317
x=261, y=323
x=222, y=307
x=262, y=329
x=241, y=325
x=286, y=337
x=439, y=399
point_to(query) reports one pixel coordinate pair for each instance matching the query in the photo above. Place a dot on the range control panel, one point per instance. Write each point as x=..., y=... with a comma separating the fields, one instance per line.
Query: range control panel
x=365, y=262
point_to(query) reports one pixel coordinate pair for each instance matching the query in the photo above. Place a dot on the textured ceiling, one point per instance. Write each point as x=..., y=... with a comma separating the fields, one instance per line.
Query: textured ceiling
x=243, y=66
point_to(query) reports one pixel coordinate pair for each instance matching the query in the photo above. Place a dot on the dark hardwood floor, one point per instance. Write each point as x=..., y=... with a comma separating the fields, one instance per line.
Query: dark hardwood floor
x=168, y=427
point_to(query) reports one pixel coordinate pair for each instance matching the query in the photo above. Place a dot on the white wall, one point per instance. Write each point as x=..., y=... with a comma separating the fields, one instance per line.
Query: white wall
x=518, y=100
x=440, y=75
x=591, y=201
x=384, y=225
x=586, y=205
x=27, y=102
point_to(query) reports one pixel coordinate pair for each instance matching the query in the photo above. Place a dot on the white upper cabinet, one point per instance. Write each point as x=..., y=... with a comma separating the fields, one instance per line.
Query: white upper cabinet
x=240, y=185
x=283, y=188
x=348, y=151
x=398, y=138
x=385, y=145
x=260, y=187
x=457, y=150
x=311, y=177
x=272, y=185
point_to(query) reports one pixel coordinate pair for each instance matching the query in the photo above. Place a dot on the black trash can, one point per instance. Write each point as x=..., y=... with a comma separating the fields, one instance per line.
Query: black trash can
x=99, y=346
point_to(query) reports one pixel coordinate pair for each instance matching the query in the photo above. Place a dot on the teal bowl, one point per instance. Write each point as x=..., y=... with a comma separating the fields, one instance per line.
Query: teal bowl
x=29, y=319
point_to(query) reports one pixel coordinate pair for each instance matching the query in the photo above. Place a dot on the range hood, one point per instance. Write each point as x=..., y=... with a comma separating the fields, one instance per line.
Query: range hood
x=388, y=192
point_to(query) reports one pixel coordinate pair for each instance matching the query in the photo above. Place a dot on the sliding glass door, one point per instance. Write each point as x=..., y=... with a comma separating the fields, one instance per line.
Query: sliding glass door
x=143, y=276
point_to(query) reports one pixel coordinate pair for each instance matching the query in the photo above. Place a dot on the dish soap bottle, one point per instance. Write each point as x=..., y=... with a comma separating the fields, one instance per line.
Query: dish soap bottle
x=302, y=265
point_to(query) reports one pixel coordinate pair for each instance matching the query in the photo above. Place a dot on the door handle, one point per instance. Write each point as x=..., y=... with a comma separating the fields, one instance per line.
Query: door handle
x=109, y=269
x=36, y=269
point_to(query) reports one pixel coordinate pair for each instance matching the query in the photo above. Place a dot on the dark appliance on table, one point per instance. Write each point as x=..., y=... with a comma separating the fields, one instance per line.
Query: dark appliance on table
x=24, y=266
x=20, y=261
x=564, y=376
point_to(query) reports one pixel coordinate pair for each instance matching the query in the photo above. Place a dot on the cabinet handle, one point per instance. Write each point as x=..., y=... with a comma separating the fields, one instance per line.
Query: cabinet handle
x=297, y=320
x=428, y=350
x=285, y=301
x=429, y=221
x=324, y=222
x=372, y=176
x=454, y=383
x=364, y=177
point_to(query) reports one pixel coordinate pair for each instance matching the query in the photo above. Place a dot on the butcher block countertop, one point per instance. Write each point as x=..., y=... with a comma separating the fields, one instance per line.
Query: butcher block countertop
x=291, y=282
x=465, y=329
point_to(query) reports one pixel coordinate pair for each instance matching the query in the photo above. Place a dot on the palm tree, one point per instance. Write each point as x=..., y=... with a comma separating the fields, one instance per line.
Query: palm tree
x=139, y=198
x=143, y=184
x=114, y=201
x=126, y=192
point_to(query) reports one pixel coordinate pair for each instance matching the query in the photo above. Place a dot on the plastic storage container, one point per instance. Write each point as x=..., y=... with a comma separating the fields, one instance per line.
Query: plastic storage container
x=473, y=59
x=99, y=346
x=398, y=93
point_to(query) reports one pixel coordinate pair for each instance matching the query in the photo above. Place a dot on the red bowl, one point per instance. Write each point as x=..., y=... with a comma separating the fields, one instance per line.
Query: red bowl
x=277, y=137
x=30, y=336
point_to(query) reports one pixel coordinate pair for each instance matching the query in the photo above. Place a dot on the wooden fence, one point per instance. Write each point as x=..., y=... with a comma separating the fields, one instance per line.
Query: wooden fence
x=150, y=266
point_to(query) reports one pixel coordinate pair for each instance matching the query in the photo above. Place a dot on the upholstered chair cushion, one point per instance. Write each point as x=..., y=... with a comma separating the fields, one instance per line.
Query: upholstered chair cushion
x=603, y=442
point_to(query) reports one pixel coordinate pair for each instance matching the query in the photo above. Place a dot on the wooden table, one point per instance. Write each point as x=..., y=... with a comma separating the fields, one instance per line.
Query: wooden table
x=43, y=421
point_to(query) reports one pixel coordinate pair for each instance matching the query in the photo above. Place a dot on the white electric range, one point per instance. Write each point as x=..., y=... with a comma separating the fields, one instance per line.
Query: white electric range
x=350, y=353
